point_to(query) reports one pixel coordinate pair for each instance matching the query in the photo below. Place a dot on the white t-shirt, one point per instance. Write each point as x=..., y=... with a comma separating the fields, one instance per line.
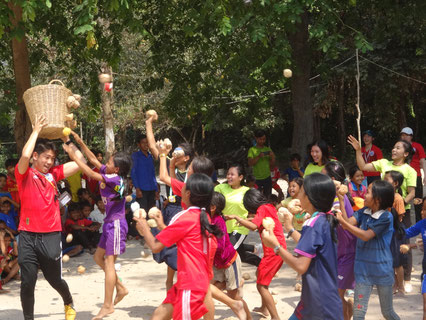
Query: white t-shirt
x=97, y=216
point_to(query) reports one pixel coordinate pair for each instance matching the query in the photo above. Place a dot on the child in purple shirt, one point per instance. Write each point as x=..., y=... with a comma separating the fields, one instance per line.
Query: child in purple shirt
x=114, y=231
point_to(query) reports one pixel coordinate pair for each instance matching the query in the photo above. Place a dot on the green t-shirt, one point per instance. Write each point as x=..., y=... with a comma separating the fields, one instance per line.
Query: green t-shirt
x=410, y=175
x=311, y=168
x=261, y=170
x=234, y=205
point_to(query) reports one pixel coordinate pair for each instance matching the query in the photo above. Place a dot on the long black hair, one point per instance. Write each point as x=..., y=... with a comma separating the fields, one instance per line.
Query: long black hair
x=383, y=192
x=219, y=201
x=321, y=192
x=407, y=148
x=397, y=177
x=201, y=188
x=202, y=164
x=336, y=170
x=324, y=150
x=253, y=199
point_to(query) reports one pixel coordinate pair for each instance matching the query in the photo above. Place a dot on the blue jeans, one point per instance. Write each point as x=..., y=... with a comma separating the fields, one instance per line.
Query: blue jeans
x=362, y=295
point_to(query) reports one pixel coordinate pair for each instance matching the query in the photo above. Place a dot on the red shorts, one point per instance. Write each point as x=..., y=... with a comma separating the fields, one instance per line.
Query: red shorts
x=267, y=269
x=187, y=304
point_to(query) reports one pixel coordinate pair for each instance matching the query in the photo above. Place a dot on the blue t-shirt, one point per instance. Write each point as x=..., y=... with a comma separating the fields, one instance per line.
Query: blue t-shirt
x=418, y=228
x=373, y=258
x=321, y=276
x=143, y=171
x=9, y=220
x=293, y=174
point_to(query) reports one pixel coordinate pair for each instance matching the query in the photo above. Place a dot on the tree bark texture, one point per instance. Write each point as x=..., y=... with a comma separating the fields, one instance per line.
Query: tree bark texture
x=21, y=67
x=341, y=132
x=108, y=118
x=303, y=131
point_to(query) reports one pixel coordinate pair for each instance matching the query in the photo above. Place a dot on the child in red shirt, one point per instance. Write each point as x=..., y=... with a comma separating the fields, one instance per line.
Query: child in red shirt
x=190, y=231
x=11, y=184
x=83, y=230
x=256, y=203
x=10, y=255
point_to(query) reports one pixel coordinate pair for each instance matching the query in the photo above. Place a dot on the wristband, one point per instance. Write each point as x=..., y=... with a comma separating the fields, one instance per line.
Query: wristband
x=68, y=142
x=162, y=155
x=277, y=249
x=290, y=233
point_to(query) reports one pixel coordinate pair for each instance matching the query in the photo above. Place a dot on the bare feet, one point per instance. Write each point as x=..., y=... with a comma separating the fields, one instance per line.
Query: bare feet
x=120, y=295
x=103, y=313
x=262, y=310
x=238, y=308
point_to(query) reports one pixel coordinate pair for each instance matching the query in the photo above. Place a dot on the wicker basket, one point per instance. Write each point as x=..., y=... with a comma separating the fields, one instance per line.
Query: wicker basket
x=51, y=101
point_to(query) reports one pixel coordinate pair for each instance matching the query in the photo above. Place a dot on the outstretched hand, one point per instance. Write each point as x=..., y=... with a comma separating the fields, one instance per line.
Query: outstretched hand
x=354, y=142
x=39, y=123
x=76, y=137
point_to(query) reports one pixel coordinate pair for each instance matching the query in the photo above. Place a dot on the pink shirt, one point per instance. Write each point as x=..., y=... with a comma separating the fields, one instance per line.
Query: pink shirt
x=225, y=253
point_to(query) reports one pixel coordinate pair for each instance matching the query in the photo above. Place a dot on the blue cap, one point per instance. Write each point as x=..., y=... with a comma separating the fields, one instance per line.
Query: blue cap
x=369, y=132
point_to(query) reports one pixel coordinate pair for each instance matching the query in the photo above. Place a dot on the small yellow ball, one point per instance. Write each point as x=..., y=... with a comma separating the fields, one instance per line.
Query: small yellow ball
x=66, y=132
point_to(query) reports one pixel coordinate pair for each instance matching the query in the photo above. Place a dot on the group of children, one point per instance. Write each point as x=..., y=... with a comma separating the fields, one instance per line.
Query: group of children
x=347, y=237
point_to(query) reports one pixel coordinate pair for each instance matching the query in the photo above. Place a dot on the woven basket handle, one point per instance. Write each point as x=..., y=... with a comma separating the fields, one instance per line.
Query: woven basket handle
x=57, y=81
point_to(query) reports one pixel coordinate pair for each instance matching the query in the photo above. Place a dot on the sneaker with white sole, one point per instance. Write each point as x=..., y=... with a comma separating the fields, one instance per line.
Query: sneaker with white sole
x=408, y=287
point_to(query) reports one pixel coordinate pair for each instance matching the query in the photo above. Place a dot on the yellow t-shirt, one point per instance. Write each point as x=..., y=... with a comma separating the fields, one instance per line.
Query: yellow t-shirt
x=234, y=205
x=410, y=175
x=75, y=183
x=311, y=168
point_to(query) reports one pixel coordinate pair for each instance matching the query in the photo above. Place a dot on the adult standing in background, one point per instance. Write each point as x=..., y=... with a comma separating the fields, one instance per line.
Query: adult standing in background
x=262, y=159
x=417, y=162
x=143, y=173
x=370, y=153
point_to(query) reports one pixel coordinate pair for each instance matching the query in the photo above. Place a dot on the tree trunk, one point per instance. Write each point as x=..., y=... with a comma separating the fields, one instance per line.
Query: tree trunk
x=341, y=132
x=21, y=67
x=303, y=131
x=108, y=118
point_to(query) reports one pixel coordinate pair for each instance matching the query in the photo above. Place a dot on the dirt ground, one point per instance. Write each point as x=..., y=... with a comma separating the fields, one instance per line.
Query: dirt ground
x=145, y=280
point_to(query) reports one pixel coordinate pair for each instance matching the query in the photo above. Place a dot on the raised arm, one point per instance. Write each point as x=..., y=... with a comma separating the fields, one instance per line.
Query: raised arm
x=89, y=154
x=72, y=150
x=359, y=159
x=163, y=151
x=150, y=137
x=27, y=151
x=342, y=208
x=145, y=231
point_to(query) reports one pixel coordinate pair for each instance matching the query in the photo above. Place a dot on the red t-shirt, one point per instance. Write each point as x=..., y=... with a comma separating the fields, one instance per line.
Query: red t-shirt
x=177, y=187
x=373, y=155
x=12, y=188
x=92, y=184
x=268, y=210
x=39, y=208
x=418, y=153
x=194, y=257
x=81, y=223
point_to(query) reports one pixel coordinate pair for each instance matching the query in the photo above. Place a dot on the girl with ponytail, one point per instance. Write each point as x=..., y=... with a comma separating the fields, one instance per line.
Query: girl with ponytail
x=191, y=231
x=346, y=246
x=316, y=251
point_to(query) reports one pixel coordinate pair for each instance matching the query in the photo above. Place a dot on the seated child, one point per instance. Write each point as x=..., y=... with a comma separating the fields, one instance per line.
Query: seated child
x=11, y=267
x=6, y=215
x=84, y=195
x=86, y=210
x=294, y=171
x=82, y=230
x=11, y=184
